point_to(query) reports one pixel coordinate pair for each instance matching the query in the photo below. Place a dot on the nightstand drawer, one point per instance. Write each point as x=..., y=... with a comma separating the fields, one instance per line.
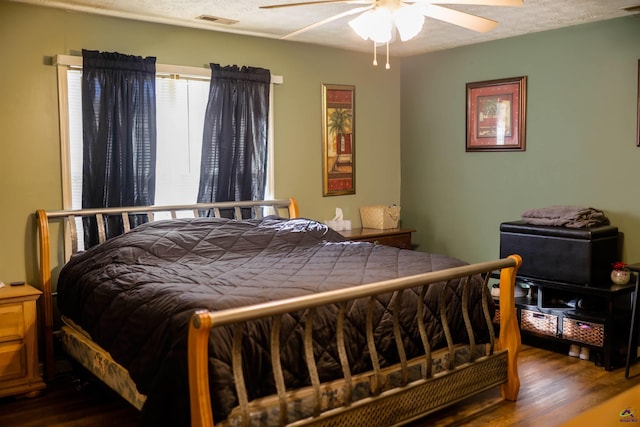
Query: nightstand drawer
x=402, y=241
x=397, y=237
x=19, y=373
x=11, y=322
x=13, y=361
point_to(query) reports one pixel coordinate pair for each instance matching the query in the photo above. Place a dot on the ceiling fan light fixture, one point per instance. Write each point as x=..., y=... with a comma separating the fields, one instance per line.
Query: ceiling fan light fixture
x=378, y=20
x=375, y=24
x=378, y=24
x=409, y=20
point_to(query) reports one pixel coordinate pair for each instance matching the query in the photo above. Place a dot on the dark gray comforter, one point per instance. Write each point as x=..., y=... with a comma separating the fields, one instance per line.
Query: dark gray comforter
x=136, y=293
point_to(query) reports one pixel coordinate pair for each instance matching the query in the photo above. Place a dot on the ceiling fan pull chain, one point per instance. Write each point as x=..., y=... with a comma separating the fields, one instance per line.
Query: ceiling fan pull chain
x=375, y=54
x=387, y=66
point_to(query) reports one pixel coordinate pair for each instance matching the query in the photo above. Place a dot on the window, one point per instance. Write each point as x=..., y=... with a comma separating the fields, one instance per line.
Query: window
x=180, y=108
x=181, y=100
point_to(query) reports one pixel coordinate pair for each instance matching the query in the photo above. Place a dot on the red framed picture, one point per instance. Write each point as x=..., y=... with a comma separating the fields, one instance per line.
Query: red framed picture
x=496, y=115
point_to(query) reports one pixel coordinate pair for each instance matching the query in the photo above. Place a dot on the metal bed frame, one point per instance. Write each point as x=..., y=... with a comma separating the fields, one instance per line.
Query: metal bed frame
x=411, y=400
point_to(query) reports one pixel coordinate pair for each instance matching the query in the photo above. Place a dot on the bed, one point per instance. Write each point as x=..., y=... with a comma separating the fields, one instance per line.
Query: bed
x=242, y=313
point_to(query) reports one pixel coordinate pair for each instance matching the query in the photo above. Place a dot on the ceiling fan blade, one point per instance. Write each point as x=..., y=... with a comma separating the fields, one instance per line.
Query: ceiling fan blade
x=476, y=2
x=306, y=3
x=326, y=21
x=461, y=19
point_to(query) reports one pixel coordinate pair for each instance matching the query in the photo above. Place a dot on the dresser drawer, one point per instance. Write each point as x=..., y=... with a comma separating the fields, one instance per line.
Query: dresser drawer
x=11, y=322
x=13, y=360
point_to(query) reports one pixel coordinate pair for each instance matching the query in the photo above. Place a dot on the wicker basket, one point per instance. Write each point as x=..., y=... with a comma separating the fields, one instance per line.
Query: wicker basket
x=496, y=317
x=540, y=323
x=380, y=217
x=584, y=332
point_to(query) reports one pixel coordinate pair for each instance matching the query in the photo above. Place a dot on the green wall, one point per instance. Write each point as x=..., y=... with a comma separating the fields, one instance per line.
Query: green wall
x=581, y=125
x=29, y=137
x=580, y=141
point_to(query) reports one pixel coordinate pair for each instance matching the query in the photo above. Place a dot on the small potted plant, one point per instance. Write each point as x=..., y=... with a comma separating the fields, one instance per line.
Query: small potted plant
x=620, y=275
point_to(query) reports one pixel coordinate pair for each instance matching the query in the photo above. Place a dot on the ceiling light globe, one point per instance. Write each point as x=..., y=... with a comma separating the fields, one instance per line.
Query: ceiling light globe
x=381, y=25
x=360, y=24
x=409, y=21
x=376, y=25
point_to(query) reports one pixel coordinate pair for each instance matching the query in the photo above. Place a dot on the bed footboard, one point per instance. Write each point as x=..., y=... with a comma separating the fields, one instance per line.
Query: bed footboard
x=413, y=398
x=509, y=329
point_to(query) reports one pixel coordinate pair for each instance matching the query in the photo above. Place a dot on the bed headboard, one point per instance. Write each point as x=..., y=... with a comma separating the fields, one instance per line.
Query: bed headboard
x=71, y=220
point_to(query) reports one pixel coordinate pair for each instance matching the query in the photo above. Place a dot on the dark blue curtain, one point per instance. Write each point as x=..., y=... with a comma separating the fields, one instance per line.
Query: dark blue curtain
x=234, y=145
x=119, y=133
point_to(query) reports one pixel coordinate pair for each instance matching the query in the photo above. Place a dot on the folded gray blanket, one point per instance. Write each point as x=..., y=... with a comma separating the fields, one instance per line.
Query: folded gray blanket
x=566, y=216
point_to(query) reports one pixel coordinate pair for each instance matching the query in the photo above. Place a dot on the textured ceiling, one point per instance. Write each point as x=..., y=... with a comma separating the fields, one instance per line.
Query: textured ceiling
x=534, y=16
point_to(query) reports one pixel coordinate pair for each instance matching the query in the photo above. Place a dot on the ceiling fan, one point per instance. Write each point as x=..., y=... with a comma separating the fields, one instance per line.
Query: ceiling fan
x=379, y=19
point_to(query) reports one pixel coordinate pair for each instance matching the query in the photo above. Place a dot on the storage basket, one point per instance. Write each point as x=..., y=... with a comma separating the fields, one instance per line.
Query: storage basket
x=380, y=217
x=496, y=317
x=540, y=323
x=584, y=332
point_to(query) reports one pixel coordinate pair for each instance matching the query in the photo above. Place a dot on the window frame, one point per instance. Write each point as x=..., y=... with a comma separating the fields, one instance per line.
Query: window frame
x=64, y=63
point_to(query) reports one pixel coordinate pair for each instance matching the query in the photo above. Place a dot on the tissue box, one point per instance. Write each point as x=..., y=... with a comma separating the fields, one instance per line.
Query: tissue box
x=339, y=225
x=380, y=217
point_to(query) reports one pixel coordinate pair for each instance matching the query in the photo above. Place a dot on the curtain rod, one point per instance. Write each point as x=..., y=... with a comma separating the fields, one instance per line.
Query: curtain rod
x=76, y=61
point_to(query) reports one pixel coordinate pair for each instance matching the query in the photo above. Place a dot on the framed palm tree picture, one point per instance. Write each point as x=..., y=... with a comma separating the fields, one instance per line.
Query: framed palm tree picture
x=338, y=140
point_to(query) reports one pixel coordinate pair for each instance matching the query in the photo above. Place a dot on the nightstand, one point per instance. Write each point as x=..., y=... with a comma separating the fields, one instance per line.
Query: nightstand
x=396, y=237
x=19, y=374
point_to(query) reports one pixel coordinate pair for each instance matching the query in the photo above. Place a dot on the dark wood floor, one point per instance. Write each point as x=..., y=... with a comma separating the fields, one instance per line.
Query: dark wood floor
x=69, y=402
x=554, y=388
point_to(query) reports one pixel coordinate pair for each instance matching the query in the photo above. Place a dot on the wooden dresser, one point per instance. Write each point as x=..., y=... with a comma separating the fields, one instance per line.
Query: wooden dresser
x=19, y=373
x=397, y=237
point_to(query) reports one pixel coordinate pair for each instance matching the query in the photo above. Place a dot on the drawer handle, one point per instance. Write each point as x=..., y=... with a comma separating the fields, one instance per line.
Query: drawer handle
x=538, y=315
x=582, y=325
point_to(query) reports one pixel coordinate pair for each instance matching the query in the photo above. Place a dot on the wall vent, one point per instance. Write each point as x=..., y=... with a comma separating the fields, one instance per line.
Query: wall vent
x=217, y=19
